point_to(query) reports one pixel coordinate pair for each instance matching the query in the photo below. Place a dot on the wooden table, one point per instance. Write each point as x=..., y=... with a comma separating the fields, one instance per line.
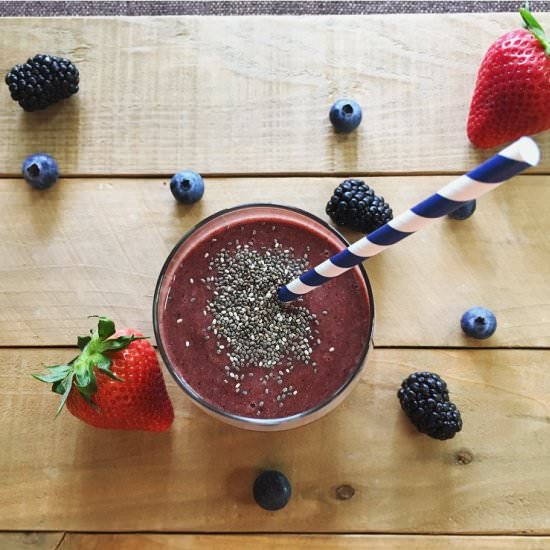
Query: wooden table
x=244, y=101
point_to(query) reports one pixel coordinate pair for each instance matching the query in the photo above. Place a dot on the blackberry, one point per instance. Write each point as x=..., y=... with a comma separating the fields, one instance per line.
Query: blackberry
x=354, y=205
x=42, y=81
x=425, y=399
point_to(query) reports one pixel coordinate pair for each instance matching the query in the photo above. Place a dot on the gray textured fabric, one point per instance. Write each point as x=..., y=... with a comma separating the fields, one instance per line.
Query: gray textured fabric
x=215, y=7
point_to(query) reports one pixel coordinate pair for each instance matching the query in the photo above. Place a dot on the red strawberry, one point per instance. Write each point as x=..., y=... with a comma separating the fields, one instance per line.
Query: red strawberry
x=115, y=382
x=512, y=94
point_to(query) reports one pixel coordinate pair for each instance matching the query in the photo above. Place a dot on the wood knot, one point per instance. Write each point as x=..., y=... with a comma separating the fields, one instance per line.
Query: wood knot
x=464, y=456
x=344, y=492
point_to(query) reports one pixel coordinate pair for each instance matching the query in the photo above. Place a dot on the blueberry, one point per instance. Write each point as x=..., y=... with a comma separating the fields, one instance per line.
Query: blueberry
x=187, y=187
x=272, y=490
x=478, y=322
x=345, y=115
x=40, y=171
x=463, y=212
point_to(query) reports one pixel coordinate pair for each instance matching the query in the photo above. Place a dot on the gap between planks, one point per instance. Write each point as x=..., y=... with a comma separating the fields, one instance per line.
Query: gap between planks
x=271, y=175
x=451, y=534
x=427, y=534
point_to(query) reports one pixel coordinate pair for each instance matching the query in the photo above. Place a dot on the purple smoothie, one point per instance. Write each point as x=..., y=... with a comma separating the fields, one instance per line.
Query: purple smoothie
x=340, y=320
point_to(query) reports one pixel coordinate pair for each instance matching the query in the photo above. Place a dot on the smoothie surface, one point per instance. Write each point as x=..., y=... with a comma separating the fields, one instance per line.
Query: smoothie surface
x=339, y=321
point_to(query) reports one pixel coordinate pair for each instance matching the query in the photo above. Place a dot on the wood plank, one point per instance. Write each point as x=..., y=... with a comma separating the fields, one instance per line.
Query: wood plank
x=297, y=542
x=251, y=95
x=30, y=541
x=96, y=247
x=493, y=477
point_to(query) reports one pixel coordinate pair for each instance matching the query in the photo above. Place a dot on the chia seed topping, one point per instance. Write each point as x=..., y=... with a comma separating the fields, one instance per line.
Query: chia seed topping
x=254, y=329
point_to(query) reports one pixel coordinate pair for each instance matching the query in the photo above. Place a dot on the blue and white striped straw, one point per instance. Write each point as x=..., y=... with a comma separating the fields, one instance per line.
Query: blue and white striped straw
x=512, y=160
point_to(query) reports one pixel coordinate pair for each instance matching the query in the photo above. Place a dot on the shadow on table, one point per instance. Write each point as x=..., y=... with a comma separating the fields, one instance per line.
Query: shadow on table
x=55, y=130
x=119, y=476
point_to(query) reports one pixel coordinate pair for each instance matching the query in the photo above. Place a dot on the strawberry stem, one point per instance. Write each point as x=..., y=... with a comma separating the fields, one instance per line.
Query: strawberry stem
x=80, y=372
x=532, y=25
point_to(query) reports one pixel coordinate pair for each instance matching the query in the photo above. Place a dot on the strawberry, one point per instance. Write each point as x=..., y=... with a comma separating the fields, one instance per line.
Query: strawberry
x=114, y=383
x=512, y=93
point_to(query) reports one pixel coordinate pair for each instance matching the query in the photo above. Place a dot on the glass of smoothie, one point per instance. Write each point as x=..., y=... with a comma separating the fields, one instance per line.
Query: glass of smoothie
x=240, y=354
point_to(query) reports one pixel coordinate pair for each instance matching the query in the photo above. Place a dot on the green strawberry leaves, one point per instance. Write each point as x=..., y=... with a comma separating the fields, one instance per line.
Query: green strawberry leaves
x=82, y=341
x=85, y=382
x=119, y=343
x=110, y=374
x=103, y=363
x=57, y=373
x=105, y=328
x=80, y=372
x=61, y=377
x=64, y=386
x=532, y=25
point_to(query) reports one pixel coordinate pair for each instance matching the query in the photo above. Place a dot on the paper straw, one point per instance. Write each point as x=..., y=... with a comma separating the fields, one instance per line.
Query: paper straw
x=512, y=160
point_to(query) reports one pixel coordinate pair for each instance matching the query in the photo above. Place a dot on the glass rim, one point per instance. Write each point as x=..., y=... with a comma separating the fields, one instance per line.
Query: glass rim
x=191, y=392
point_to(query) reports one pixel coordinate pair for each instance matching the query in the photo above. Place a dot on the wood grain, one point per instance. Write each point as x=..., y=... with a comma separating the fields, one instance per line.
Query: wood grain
x=252, y=95
x=297, y=542
x=30, y=541
x=493, y=477
x=90, y=247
